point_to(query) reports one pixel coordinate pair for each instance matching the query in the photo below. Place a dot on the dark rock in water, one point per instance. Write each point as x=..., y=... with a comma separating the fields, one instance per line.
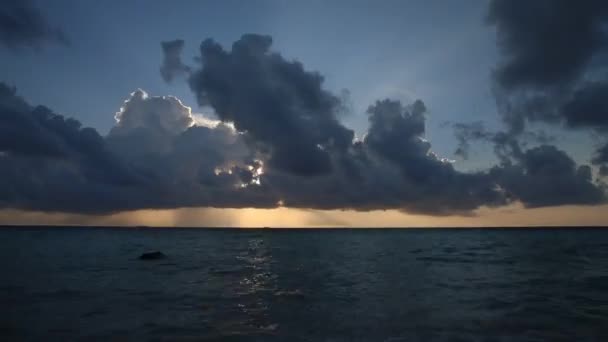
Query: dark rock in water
x=152, y=256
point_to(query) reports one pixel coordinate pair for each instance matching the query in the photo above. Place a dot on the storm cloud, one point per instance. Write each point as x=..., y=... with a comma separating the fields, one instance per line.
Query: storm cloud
x=553, y=67
x=278, y=142
x=546, y=43
x=24, y=25
x=157, y=156
x=276, y=102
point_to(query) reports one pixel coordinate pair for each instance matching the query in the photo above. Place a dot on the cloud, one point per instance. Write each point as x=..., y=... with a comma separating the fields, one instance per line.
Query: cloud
x=281, y=106
x=506, y=144
x=148, y=124
x=157, y=157
x=587, y=107
x=465, y=133
x=549, y=42
x=23, y=25
x=392, y=167
x=553, y=68
x=52, y=163
x=172, y=65
x=278, y=143
x=191, y=164
x=546, y=176
x=429, y=183
x=153, y=158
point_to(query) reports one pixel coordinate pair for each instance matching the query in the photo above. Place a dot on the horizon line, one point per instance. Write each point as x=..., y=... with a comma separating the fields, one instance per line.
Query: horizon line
x=68, y=226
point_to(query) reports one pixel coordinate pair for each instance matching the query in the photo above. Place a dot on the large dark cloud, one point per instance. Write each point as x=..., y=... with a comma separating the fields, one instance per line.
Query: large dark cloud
x=393, y=167
x=547, y=43
x=282, y=106
x=158, y=156
x=24, y=25
x=554, y=66
x=278, y=140
x=397, y=135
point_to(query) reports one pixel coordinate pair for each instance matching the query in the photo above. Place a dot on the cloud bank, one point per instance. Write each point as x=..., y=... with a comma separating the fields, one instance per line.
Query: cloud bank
x=278, y=142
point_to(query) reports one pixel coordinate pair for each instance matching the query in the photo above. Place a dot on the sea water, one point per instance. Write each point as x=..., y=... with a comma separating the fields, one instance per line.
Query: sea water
x=304, y=285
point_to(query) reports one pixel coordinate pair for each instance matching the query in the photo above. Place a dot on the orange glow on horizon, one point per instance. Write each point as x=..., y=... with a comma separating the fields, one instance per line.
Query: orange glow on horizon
x=283, y=217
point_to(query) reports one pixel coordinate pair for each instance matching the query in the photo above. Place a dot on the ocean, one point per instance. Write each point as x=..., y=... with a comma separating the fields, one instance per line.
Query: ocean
x=65, y=284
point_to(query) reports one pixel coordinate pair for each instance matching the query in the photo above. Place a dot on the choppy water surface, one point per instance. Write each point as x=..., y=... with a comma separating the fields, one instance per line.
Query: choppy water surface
x=304, y=285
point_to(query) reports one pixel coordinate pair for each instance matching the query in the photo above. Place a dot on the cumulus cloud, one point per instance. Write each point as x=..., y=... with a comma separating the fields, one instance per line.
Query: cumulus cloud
x=164, y=114
x=278, y=142
x=51, y=163
x=396, y=134
x=276, y=102
x=192, y=164
x=156, y=156
x=148, y=124
x=392, y=167
x=24, y=25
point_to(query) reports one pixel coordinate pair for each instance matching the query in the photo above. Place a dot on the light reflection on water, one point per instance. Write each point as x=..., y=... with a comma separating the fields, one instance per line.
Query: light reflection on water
x=248, y=288
x=257, y=283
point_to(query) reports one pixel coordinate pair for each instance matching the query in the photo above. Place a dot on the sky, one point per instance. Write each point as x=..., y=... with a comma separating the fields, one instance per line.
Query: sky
x=316, y=113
